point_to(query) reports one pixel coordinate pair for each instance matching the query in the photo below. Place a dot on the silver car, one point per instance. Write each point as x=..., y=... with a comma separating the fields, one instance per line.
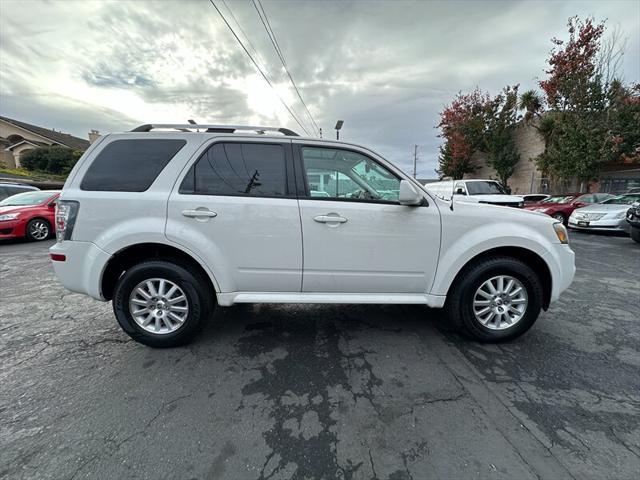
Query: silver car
x=608, y=215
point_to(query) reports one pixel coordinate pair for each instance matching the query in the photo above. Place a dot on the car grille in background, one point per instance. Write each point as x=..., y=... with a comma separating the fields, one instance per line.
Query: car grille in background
x=591, y=217
x=506, y=204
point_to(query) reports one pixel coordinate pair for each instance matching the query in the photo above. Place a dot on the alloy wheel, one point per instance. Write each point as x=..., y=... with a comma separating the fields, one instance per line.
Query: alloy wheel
x=500, y=302
x=158, y=306
x=39, y=230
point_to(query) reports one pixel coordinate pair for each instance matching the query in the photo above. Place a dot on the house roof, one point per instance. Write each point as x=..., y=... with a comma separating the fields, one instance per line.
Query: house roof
x=30, y=142
x=56, y=137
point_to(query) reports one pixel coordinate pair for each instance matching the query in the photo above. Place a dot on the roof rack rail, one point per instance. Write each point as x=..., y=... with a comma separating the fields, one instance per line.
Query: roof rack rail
x=187, y=127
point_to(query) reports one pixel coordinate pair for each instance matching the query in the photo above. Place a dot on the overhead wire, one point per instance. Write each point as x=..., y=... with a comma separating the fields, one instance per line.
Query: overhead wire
x=264, y=75
x=274, y=41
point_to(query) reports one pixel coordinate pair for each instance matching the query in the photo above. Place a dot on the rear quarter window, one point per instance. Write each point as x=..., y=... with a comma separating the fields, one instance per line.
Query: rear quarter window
x=130, y=165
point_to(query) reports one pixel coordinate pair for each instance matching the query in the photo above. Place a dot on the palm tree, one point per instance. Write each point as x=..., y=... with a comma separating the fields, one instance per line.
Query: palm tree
x=532, y=103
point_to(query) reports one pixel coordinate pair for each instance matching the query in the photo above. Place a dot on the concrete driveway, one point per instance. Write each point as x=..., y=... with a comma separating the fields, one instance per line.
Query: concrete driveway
x=334, y=392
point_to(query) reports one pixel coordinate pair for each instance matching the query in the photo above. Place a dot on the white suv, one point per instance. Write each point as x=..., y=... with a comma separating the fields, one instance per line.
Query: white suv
x=168, y=221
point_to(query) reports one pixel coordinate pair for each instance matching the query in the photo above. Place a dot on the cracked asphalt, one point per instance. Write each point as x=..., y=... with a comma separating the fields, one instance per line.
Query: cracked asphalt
x=322, y=392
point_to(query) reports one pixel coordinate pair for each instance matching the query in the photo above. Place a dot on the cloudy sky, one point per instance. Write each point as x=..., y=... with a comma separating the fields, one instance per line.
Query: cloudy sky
x=385, y=67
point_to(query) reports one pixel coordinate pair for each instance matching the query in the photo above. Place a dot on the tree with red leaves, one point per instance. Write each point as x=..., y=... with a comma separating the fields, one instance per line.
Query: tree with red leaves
x=462, y=128
x=576, y=126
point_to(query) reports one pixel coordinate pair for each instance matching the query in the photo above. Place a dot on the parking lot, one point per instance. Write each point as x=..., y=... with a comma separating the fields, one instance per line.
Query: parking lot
x=346, y=392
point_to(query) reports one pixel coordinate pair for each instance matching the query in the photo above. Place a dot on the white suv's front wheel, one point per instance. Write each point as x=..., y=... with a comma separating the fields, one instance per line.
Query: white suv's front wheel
x=495, y=299
x=161, y=304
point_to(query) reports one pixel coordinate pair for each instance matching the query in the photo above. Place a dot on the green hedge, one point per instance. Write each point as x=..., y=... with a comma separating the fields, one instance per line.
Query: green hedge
x=57, y=160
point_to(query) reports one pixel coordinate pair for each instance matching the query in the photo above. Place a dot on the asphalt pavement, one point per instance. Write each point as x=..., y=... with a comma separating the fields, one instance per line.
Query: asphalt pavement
x=322, y=392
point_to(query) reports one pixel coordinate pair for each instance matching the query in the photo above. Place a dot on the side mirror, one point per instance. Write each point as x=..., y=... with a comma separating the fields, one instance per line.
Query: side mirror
x=409, y=195
x=459, y=191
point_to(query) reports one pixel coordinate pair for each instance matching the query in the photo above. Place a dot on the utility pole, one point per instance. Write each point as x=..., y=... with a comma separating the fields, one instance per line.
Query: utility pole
x=415, y=159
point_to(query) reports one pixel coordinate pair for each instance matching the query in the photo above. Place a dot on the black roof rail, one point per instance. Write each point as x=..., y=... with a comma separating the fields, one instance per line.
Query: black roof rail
x=188, y=127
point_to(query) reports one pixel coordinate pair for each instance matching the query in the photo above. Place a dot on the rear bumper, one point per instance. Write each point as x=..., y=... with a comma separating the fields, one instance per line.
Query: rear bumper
x=562, y=263
x=82, y=269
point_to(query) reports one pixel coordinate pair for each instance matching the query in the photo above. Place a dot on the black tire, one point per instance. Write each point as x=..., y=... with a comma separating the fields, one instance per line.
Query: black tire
x=560, y=217
x=635, y=234
x=459, y=304
x=37, y=230
x=201, y=302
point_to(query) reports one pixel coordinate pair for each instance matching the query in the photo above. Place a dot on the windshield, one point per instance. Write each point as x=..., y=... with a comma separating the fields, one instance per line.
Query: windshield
x=623, y=199
x=485, y=188
x=27, y=198
x=559, y=199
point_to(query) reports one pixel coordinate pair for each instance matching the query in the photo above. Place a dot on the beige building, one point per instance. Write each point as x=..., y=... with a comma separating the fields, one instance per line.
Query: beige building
x=528, y=179
x=18, y=137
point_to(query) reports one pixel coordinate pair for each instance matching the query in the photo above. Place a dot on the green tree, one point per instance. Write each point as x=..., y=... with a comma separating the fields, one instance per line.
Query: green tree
x=576, y=131
x=55, y=159
x=501, y=117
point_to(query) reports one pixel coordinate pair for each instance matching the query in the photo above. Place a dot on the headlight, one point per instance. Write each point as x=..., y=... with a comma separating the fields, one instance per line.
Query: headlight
x=561, y=232
x=8, y=216
x=621, y=215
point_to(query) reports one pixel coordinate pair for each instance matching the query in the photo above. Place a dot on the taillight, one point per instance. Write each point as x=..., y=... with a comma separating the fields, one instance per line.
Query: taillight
x=66, y=213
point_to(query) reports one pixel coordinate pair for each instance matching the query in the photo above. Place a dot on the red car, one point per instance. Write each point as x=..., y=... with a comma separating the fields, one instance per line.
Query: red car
x=28, y=215
x=562, y=206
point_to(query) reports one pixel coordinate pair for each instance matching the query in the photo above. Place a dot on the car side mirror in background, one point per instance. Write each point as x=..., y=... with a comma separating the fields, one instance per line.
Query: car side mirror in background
x=459, y=191
x=409, y=195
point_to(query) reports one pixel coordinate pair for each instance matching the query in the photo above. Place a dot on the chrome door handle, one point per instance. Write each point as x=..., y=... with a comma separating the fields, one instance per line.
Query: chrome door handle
x=199, y=213
x=329, y=219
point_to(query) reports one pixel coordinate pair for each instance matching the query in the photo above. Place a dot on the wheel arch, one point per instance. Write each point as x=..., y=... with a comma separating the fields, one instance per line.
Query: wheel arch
x=131, y=255
x=529, y=257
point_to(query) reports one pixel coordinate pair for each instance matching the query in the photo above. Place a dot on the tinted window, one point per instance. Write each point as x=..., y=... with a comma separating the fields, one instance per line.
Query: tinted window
x=336, y=173
x=251, y=169
x=485, y=188
x=130, y=165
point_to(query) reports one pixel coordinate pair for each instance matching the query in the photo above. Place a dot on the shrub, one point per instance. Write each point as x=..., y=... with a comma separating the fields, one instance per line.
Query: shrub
x=56, y=159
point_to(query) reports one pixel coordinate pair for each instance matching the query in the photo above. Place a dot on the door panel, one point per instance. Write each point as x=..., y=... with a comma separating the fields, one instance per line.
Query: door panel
x=251, y=244
x=357, y=237
x=378, y=249
x=247, y=225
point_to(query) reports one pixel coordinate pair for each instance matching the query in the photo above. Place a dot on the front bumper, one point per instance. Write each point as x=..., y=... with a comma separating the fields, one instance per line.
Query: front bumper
x=603, y=225
x=11, y=229
x=82, y=269
x=562, y=262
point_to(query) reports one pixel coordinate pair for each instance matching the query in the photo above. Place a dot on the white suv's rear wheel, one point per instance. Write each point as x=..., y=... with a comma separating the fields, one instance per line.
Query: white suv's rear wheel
x=161, y=304
x=495, y=299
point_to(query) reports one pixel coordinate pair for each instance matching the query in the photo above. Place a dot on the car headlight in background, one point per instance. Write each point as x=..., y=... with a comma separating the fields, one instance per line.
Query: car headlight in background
x=561, y=232
x=621, y=215
x=8, y=216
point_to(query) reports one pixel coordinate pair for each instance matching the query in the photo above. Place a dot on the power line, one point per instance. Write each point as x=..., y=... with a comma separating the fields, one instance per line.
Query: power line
x=264, y=75
x=274, y=41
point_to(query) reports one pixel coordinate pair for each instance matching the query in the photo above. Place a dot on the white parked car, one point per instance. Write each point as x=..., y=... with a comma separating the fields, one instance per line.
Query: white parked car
x=475, y=191
x=168, y=223
x=608, y=215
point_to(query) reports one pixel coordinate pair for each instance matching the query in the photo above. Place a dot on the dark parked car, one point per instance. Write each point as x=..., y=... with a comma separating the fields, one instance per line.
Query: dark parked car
x=7, y=189
x=633, y=217
x=562, y=206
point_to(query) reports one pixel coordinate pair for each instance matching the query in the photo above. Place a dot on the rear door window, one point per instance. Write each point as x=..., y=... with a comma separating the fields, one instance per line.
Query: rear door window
x=238, y=169
x=130, y=165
